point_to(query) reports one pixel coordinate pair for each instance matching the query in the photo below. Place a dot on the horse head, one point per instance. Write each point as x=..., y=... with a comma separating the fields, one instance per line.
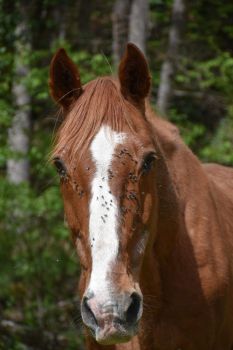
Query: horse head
x=105, y=154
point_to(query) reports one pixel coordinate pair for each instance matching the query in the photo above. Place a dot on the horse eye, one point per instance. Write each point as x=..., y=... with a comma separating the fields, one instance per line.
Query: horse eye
x=60, y=166
x=148, y=163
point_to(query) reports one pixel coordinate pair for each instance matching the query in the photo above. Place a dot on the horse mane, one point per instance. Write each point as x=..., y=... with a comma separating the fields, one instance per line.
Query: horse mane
x=101, y=102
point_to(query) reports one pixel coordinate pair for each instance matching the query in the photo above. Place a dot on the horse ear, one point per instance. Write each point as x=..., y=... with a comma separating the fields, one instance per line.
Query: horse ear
x=134, y=74
x=64, y=81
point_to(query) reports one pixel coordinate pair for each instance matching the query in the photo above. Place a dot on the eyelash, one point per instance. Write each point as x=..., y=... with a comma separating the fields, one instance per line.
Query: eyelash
x=60, y=166
x=148, y=163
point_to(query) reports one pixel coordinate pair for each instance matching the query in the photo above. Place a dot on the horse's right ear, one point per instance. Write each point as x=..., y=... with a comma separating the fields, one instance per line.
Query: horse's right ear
x=64, y=80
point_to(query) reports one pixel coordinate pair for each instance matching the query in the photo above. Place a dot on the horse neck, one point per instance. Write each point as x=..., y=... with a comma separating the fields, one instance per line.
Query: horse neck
x=180, y=178
x=181, y=182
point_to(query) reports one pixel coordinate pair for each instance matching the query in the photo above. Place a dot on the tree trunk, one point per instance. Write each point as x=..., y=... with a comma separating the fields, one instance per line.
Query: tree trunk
x=18, y=134
x=138, y=23
x=120, y=20
x=169, y=65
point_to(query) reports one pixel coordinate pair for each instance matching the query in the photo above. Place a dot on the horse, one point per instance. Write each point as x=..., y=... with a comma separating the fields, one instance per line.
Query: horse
x=152, y=225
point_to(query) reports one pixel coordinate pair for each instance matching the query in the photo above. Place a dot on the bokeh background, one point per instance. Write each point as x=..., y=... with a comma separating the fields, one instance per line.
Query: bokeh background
x=189, y=46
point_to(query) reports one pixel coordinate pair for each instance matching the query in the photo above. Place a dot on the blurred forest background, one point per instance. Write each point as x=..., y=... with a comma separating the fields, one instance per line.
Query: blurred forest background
x=189, y=45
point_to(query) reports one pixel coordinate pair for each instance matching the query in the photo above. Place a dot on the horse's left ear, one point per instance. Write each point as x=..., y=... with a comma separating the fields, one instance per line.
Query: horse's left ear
x=134, y=75
x=64, y=80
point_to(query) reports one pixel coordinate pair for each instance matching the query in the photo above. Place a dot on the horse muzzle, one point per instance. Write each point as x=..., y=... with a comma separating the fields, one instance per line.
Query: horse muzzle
x=113, y=321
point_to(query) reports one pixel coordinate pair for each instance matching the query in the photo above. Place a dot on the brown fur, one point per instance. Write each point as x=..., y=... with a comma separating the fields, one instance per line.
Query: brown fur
x=186, y=272
x=90, y=111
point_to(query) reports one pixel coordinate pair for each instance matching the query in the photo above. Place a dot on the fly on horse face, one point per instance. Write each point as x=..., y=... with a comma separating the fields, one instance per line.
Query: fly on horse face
x=153, y=227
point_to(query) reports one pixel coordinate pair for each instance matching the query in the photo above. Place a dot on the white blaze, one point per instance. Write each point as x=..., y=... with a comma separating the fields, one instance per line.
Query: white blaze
x=103, y=209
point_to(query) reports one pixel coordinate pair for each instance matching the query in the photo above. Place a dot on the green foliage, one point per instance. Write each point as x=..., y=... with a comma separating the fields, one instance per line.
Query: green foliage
x=210, y=82
x=221, y=146
x=6, y=74
x=38, y=256
x=190, y=132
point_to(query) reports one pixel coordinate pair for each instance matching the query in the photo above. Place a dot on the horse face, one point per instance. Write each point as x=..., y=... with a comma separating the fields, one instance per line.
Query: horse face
x=109, y=197
x=109, y=200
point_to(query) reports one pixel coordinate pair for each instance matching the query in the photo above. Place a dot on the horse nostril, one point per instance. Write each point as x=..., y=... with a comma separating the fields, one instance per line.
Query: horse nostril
x=134, y=308
x=87, y=314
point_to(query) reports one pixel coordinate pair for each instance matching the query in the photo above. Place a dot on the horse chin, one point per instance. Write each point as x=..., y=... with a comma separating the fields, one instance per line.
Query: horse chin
x=111, y=335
